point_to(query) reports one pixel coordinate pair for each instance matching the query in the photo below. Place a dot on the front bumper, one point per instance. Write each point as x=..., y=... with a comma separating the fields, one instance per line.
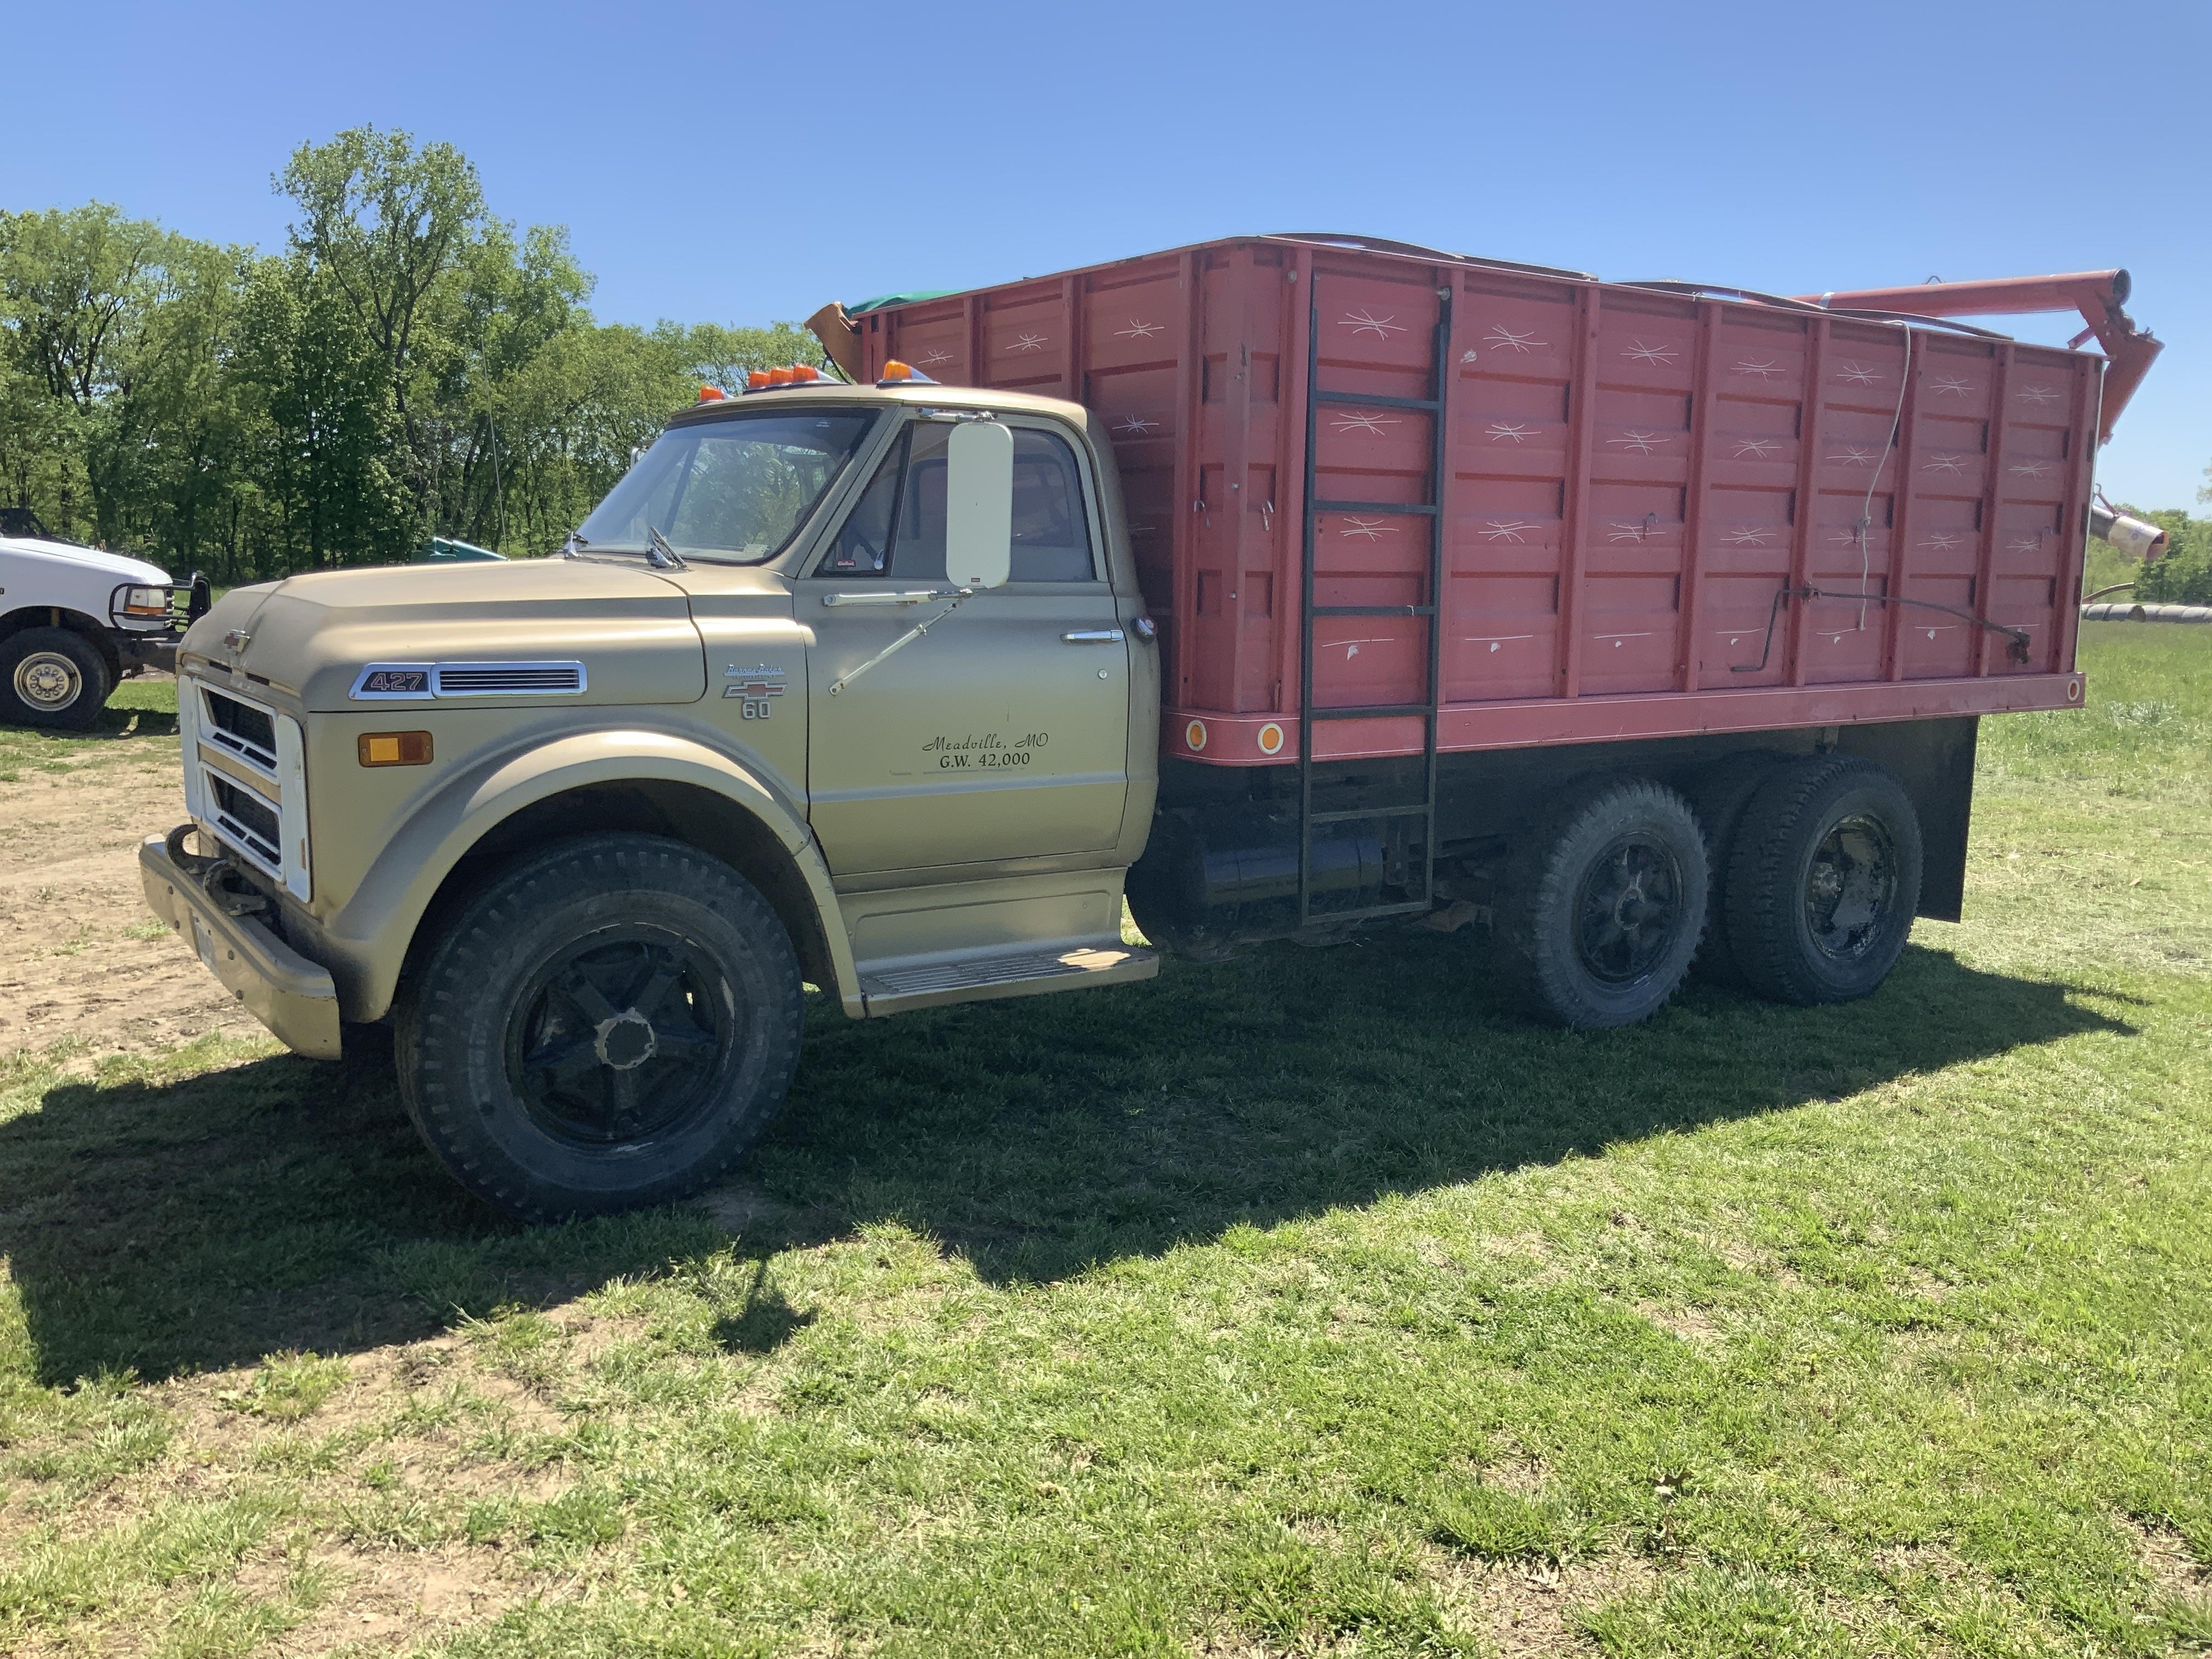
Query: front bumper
x=289, y=994
x=139, y=652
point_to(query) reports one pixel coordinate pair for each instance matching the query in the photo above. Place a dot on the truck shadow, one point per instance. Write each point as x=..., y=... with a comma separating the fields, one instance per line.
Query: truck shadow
x=135, y=723
x=164, y=1226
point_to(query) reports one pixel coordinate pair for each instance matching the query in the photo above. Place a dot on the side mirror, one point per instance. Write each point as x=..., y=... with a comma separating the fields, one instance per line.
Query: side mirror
x=979, y=504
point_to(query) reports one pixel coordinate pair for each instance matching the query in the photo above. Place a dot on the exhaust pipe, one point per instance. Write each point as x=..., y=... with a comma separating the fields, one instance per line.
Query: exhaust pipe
x=2132, y=536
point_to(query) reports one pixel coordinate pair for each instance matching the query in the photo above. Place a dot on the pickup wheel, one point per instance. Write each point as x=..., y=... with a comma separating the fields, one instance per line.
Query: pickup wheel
x=1607, y=902
x=52, y=678
x=1824, y=882
x=611, y=1023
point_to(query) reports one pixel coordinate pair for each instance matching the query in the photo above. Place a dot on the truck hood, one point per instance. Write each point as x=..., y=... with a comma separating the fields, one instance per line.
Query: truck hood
x=312, y=636
x=119, y=567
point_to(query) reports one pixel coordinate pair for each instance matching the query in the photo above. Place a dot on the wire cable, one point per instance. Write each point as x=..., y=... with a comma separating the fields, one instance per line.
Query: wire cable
x=1866, y=507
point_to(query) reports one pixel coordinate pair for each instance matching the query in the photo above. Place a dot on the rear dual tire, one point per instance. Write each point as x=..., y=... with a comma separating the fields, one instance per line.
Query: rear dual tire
x=1822, y=880
x=1800, y=874
x=1608, y=898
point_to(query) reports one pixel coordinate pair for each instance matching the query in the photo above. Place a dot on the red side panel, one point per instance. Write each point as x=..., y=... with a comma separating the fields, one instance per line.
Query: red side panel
x=1637, y=489
x=1374, y=337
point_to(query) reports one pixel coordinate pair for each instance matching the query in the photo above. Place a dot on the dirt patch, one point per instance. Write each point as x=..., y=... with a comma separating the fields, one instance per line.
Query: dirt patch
x=1524, y=1476
x=1534, y=1607
x=81, y=958
x=2174, y=1572
x=1690, y=1325
x=384, y=1599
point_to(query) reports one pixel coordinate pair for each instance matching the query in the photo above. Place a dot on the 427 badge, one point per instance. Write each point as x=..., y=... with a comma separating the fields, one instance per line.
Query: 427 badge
x=755, y=689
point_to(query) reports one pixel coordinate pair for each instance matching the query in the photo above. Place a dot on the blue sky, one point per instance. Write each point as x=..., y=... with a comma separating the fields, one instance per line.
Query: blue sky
x=741, y=163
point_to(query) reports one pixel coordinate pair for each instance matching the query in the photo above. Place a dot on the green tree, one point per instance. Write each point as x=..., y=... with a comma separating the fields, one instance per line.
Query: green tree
x=319, y=430
x=2183, y=576
x=724, y=357
x=387, y=224
x=410, y=365
x=78, y=289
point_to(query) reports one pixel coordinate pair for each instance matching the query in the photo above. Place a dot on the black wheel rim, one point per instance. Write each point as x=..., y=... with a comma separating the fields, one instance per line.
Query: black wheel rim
x=1851, y=888
x=1628, y=910
x=621, y=1036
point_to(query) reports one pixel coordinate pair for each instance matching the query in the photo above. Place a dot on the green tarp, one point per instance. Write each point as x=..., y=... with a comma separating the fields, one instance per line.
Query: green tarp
x=906, y=299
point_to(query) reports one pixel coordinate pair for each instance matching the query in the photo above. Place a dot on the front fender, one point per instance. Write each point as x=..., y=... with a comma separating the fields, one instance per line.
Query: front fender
x=365, y=942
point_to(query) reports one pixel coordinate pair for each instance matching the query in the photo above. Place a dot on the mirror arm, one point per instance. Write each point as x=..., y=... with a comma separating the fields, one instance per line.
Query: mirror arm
x=903, y=641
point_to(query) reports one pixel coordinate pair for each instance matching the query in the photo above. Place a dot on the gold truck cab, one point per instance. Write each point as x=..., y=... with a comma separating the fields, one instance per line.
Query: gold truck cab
x=847, y=685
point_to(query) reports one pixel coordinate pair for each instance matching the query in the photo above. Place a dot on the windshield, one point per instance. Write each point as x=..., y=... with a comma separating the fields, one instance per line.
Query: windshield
x=735, y=489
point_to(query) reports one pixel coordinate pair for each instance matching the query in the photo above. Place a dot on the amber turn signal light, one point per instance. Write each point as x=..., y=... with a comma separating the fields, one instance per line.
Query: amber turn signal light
x=395, y=749
x=895, y=370
x=712, y=394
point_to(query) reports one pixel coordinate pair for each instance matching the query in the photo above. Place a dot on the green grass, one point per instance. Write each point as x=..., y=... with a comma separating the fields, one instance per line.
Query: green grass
x=139, y=724
x=1311, y=1304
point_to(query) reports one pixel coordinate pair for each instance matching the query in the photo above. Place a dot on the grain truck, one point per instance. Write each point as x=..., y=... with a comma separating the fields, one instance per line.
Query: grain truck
x=1290, y=588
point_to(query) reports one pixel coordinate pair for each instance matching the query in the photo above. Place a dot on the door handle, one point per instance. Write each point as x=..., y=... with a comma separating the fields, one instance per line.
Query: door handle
x=1092, y=636
x=911, y=596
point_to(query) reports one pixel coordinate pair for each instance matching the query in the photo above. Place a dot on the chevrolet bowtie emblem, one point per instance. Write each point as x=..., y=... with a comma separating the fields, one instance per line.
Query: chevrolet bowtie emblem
x=237, y=639
x=754, y=686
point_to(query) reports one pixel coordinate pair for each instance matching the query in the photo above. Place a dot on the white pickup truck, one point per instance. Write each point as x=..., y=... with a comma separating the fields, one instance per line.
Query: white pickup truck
x=74, y=621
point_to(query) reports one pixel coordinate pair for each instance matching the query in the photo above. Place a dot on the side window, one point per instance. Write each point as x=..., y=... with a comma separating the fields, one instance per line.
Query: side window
x=897, y=527
x=1052, y=533
x=918, y=538
x=863, y=545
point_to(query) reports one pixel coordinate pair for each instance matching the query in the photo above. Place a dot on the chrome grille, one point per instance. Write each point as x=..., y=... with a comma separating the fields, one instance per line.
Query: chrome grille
x=245, y=730
x=246, y=779
x=247, y=821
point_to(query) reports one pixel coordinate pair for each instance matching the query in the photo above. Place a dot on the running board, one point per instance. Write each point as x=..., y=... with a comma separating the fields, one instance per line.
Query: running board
x=1019, y=973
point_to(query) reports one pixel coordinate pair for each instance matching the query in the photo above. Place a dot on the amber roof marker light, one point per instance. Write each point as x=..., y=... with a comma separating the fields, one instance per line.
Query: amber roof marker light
x=791, y=374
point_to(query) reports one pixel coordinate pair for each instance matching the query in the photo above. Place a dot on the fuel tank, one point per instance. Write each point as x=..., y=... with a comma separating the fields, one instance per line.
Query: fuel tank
x=1217, y=878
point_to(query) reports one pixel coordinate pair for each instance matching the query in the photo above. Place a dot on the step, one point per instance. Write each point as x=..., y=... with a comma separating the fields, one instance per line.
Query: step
x=928, y=984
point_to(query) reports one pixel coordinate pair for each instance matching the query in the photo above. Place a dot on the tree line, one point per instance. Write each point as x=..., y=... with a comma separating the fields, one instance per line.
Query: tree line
x=2183, y=576
x=408, y=366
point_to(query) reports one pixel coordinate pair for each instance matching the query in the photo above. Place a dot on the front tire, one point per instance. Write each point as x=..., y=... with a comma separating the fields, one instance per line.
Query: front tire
x=1824, y=881
x=611, y=1023
x=1607, y=902
x=52, y=677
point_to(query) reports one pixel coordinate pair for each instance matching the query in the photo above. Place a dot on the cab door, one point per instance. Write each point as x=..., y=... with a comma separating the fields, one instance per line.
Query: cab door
x=1001, y=732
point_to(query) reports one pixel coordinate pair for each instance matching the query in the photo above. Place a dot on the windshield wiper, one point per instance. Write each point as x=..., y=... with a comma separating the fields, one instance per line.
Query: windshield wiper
x=660, y=556
x=656, y=548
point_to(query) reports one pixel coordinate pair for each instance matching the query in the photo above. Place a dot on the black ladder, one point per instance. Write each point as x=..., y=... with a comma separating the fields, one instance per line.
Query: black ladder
x=1391, y=815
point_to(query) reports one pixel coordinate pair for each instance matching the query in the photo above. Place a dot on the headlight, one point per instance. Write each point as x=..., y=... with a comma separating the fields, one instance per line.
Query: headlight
x=152, y=602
